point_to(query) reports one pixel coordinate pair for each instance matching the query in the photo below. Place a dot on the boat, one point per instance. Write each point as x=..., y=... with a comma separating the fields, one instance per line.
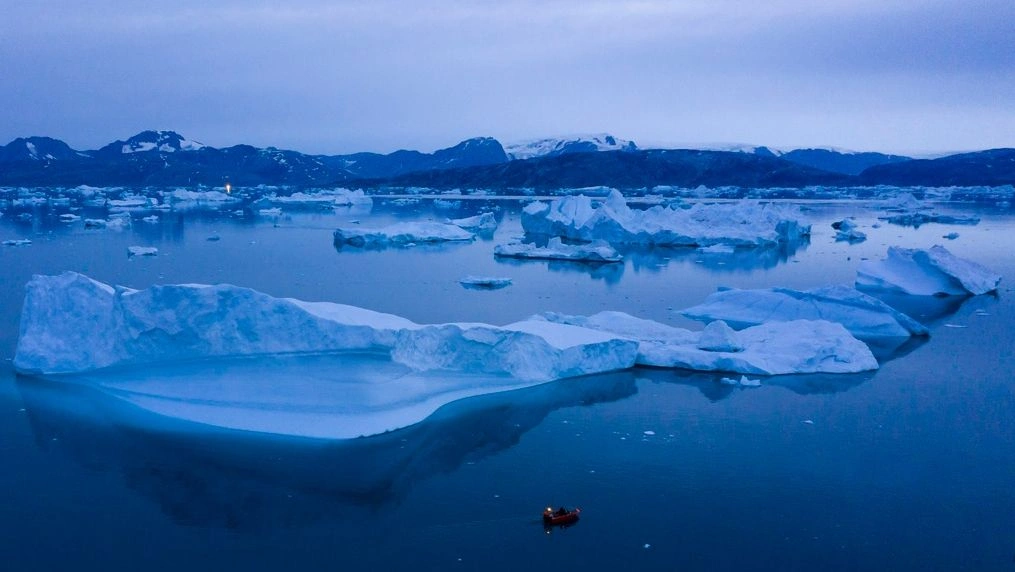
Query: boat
x=561, y=516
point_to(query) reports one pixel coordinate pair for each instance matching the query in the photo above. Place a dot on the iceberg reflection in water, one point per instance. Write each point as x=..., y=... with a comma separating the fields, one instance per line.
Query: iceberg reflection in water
x=209, y=476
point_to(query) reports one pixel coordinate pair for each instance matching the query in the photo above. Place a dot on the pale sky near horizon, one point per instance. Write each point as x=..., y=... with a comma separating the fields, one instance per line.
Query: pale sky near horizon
x=909, y=76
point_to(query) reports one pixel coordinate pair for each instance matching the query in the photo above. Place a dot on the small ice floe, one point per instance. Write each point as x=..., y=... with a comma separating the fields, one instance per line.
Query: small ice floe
x=951, y=235
x=649, y=433
x=981, y=313
x=485, y=222
x=717, y=249
x=808, y=422
x=151, y=219
x=213, y=238
x=933, y=272
x=647, y=546
x=847, y=231
x=142, y=251
x=270, y=212
x=744, y=381
x=18, y=242
x=555, y=249
x=955, y=326
x=95, y=223
x=484, y=282
x=69, y=217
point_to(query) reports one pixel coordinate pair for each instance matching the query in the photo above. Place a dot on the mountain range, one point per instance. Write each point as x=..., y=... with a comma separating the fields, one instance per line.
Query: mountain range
x=166, y=158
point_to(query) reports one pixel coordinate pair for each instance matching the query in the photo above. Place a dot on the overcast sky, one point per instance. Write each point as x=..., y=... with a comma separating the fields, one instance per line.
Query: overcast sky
x=333, y=77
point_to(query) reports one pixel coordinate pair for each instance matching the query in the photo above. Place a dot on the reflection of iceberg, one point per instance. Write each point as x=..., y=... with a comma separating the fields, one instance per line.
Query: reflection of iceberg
x=743, y=223
x=235, y=480
x=720, y=260
x=711, y=386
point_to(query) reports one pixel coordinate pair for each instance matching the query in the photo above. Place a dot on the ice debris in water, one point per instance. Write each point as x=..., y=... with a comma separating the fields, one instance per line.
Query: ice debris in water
x=744, y=381
x=864, y=316
x=744, y=223
x=933, y=272
x=846, y=230
x=485, y=222
x=401, y=234
x=18, y=242
x=555, y=249
x=142, y=251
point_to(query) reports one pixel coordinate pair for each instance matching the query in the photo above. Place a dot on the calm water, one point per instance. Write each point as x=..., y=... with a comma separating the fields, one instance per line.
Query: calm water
x=908, y=468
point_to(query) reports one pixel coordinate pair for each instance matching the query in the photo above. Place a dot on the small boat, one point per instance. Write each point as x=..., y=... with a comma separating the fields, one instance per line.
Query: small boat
x=561, y=516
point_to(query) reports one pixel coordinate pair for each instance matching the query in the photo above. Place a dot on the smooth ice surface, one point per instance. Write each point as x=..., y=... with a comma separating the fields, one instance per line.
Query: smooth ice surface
x=926, y=273
x=402, y=234
x=555, y=249
x=864, y=316
x=744, y=223
x=776, y=348
x=71, y=323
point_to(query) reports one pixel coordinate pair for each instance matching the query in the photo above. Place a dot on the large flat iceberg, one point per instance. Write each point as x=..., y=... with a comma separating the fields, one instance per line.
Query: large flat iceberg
x=864, y=316
x=744, y=223
x=933, y=272
x=71, y=323
x=402, y=234
x=776, y=348
x=555, y=249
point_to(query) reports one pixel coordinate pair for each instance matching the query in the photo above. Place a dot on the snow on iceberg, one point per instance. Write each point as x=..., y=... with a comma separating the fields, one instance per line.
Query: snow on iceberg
x=776, y=348
x=555, y=249
x=864, y=316
x=401, y=234
x=744, y=223
x=926, y=273
x=71, y=323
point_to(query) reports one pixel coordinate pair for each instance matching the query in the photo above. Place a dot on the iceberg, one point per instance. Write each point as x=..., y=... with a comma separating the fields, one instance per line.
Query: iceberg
x=555, y=249
x=72, y=324
x=142, y=251
x=863, y=316
x=17, y=242
x=847, y=231
x=931, y=272
x=485, y=282
x=484, y=223
x=401, y=234
x=319, y=200
x=775, y=348
x=744, y=223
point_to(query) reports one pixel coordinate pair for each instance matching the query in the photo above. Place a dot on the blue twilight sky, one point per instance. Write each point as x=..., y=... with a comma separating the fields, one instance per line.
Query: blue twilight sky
x=326, y=76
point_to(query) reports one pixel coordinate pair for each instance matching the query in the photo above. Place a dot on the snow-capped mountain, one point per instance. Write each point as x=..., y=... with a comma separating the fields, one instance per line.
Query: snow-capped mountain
x=37, y=149
x=553, y=146
x=162, y=141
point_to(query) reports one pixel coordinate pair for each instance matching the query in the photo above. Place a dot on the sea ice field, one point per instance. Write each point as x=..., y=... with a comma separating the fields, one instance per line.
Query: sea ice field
x=337, y=404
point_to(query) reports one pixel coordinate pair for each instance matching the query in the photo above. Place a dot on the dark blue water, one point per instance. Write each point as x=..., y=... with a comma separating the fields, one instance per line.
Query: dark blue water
x=907, y=468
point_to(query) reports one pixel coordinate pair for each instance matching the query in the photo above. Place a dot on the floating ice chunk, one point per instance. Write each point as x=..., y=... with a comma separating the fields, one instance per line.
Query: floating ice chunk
x=152, y=219
x=744, y=381
x=142, y=251
x=95, y=223
x=801, y=346
x=918, y=218
x=401, y=234
x=71, y=323
x=846, y=230
x=719, y=337
x=864, y=316
x=951, y=235
x=926, y=273
x=744, y=223
x=597, y=251
x=201, y=197
x=487, y=282
x=69, y=217
x=321, y=199
x=270, y=212
x=18, y=242
x=485, y=222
